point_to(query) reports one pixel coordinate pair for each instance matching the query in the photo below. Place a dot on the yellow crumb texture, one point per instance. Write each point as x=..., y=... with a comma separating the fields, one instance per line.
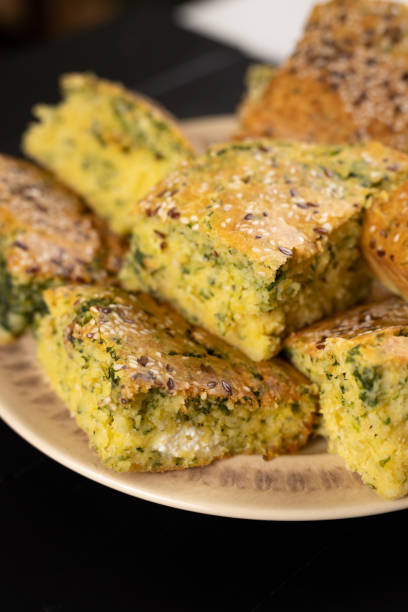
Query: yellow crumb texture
x=108, y=144
x=360, y=362
x=259, y=238
x=154, y=393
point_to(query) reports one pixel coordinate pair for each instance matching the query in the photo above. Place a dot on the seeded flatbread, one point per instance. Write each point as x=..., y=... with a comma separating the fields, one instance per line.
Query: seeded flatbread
x=259, y=238
x=46, y=238
x=359, y=359
x=154, y=393
x=347, y=80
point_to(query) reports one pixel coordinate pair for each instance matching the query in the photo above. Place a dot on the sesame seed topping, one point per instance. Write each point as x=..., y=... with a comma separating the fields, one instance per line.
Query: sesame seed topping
x=20, y=245
x=173, y=213
x=285, y=251
x=226, y=386
x=321, y=230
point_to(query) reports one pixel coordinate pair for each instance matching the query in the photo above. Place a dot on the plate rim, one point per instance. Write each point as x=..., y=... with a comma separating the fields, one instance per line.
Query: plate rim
x=78, y=466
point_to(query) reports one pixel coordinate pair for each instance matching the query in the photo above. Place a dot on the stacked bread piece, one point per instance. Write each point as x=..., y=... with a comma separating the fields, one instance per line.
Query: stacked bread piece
x=156, y=393
x=346, y=81
x=107, y=143
x=359, y=359
x=47, y=238
x=247, y=244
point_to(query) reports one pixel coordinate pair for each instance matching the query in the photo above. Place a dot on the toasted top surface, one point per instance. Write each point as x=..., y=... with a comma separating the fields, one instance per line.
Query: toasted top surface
x=45, y=229
x=154, y=347
x=274, y=200
x=390, y=315
x=347, y=79
x=385, y=240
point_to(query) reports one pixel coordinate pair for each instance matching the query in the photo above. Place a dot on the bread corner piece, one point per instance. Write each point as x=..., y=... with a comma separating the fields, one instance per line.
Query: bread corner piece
x=359, y=359
x=385, y=240
x=107, y=143
x=346, y=81
x=259, y=238
x=46, y=238
x=154, y=393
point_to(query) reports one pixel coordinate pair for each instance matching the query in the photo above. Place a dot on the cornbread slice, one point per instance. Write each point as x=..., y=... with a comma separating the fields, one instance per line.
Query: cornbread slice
x=46, y=238
x=346, y=81
x=360, y=361
x=255, y=239
x=108, y=144
x=154, y=393
x=385, y=240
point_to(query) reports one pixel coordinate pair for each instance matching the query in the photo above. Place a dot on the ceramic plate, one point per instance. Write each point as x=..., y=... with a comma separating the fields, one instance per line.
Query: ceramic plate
x=312, y=485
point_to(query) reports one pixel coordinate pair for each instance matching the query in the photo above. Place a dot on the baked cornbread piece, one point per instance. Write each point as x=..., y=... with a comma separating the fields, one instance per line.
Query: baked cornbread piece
x=360, y=361
x=154, y=393
x=106, y=143
x=346, y=81
x=46, y=238
x=256, y=239
x=385, y=240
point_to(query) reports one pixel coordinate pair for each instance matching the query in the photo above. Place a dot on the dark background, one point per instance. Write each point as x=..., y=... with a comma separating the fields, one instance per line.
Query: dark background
x=70, y=545
x=26, y=21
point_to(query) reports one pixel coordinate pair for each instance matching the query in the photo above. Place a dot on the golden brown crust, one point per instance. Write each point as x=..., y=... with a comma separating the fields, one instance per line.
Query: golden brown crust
x=347, y=80
x=385, y=240
x=47, y=232
x=159, y=349
x=390, y=315
x=272, y=201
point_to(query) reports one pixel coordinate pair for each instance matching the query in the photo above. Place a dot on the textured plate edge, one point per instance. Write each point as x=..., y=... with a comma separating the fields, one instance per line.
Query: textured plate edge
x=288, y=515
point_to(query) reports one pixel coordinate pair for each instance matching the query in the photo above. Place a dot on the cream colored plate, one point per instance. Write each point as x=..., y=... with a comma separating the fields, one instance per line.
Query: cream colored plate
x=312, y=485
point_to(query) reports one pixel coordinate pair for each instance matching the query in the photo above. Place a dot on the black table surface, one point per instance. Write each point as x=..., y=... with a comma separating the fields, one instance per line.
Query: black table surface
x=69, y=544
